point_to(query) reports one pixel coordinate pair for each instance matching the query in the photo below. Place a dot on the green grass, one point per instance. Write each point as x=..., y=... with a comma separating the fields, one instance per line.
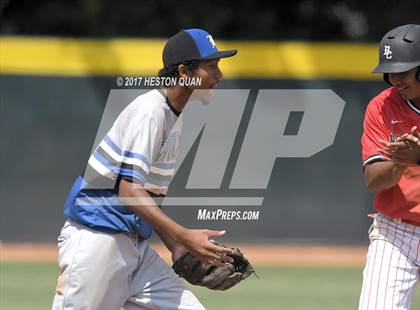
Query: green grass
x=291, y=288
x=31, y=286
x=27, y=285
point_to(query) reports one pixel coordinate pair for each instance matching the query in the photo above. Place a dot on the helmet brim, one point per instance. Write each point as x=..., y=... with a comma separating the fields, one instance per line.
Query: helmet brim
x=395, y=67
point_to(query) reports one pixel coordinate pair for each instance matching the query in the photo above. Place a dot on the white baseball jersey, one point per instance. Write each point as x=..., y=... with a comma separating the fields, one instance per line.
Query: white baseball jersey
x=143, y=143
x=140, y=147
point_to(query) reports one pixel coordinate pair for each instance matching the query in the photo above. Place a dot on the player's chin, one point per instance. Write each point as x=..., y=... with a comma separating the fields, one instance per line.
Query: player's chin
x=411, y=98
x=204, y=95
x=414, y=97
x=406, y=94
x=208, y=95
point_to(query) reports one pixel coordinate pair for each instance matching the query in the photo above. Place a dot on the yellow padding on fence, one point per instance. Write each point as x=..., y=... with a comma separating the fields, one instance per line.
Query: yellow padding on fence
x=140, y=57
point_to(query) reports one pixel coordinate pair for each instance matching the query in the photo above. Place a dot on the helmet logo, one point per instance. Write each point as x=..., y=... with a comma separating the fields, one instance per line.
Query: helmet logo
x=387, y=52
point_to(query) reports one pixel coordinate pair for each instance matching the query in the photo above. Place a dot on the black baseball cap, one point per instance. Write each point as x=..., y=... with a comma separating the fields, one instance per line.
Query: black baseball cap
x=192, y=44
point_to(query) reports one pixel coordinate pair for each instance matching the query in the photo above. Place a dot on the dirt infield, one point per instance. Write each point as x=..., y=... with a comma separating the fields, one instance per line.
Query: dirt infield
x=301, y=255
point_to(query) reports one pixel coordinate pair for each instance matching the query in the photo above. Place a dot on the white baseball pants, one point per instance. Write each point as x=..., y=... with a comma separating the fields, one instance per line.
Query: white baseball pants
x=100, y=271
x=393, y=265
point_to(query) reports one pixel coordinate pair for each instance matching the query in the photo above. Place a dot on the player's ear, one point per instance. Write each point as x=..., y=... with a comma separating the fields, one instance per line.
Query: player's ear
x=183, y=71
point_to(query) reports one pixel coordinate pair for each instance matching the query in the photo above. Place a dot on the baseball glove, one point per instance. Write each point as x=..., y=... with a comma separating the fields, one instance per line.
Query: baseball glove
x=222, y=278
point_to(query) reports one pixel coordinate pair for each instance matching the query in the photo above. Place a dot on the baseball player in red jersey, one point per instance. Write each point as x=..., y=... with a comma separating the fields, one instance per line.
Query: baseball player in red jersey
x=391, y=163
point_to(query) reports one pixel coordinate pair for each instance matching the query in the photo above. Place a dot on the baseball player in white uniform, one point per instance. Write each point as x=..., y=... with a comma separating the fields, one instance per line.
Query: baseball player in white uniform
x=391, y=163
x=104, y=257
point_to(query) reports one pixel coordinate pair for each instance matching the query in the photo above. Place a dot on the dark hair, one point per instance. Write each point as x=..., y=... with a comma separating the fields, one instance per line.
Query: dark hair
x=172, y=70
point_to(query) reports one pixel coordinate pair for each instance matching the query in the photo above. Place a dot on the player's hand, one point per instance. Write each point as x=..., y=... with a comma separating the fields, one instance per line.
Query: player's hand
x=197, y=242
x=413, y=136
x=405, y=150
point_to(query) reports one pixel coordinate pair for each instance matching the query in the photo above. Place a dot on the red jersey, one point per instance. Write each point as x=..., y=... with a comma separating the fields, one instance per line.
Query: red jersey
x=387, y=117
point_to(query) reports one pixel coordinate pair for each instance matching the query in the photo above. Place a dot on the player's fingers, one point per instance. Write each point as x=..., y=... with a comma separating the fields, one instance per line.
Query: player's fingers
x=402, y=137
x=221, y=250
x=210, y=259
x=399, y=158
x=387, y=155
x=389, y=144
x=400, y=145
x=221, y=253
x=215, y=233
x=210, y=253
x=393, y=152
x=386, y=152
x=218, y=263
x=226, y=258
x=385, y=143
x=213, y=246
x=413, y=139
x=223, y=258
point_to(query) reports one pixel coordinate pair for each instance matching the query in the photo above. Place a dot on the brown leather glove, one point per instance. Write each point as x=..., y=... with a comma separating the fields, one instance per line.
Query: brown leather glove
x=213, y=277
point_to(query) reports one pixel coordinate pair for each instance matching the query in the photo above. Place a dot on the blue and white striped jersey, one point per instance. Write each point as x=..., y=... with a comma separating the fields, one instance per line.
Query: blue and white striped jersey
x=141, y=147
